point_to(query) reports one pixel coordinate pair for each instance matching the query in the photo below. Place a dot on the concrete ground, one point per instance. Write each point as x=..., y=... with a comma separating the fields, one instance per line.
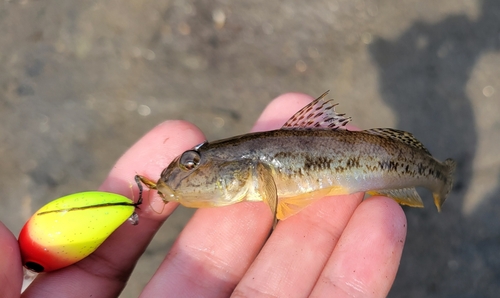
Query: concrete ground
x=81, y=81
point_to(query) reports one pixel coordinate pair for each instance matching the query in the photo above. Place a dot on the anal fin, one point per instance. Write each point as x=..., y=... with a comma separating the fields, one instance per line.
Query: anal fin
x=404, y=196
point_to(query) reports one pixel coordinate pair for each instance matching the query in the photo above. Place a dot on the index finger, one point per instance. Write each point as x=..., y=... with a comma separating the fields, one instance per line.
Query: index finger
x=105, y=272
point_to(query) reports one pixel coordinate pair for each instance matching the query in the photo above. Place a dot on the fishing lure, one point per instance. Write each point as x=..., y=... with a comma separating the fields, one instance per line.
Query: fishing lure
x=310, y=157
x=70, y=228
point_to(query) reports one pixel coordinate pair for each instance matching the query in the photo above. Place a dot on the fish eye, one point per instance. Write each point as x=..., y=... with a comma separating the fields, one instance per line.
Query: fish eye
x=189, y=160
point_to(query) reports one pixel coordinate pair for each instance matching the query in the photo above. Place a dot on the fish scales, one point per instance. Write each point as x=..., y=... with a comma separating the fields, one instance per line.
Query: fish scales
x=355, y=159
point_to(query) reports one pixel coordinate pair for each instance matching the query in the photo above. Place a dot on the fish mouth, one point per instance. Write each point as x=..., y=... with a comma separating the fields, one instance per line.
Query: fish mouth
x=166, y=193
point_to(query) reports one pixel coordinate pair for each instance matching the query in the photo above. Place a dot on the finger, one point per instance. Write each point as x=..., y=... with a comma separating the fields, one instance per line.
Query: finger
x=293, y=258
x=366, y=258
x=11, y=273
x=217, y=246
x=105, y=272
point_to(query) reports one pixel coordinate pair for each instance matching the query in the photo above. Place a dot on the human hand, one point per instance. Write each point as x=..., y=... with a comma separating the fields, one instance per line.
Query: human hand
x=338, y=246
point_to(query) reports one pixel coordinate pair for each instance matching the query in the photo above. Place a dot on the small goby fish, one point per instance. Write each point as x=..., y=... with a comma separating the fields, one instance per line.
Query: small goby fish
x=310, y=157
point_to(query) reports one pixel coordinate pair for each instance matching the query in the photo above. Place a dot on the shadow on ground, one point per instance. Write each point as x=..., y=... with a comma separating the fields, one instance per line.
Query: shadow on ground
x=425, y=72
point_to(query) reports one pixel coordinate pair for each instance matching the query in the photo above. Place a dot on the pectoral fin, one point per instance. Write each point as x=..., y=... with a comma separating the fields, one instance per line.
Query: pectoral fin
x=404, y=196
x=267, y=189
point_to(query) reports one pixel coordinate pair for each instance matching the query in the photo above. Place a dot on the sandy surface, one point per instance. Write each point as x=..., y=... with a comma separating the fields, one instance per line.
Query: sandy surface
x=81, y=81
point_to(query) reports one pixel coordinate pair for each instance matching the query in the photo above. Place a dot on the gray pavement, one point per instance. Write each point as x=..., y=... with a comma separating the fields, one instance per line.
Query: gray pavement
x=81, y=81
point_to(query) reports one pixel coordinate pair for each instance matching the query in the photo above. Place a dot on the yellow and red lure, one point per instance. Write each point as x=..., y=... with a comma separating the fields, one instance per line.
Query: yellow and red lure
x=70, y=228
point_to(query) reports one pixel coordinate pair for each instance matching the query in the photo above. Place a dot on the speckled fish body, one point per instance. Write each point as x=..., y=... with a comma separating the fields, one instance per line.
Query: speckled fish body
x=310, y=157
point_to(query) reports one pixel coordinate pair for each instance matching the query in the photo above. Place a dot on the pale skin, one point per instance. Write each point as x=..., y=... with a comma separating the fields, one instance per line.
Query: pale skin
x=336, y=247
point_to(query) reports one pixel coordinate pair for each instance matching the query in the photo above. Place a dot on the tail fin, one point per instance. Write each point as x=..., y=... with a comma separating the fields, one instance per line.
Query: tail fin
x=440, y=197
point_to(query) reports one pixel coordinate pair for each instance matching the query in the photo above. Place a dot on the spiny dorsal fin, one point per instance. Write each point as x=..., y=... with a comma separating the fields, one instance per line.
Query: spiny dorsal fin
x=318, y=114
x=400, y=135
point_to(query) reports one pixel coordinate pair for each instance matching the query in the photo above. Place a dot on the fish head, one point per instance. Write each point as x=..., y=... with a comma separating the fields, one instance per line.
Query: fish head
x=197, y=181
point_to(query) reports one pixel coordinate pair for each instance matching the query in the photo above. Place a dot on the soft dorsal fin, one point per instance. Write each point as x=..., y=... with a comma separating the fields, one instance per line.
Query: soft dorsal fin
x=399, y=135
x=318, y=114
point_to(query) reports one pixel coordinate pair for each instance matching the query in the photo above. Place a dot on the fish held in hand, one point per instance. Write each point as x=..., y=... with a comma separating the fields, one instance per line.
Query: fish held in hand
x=310, y=157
